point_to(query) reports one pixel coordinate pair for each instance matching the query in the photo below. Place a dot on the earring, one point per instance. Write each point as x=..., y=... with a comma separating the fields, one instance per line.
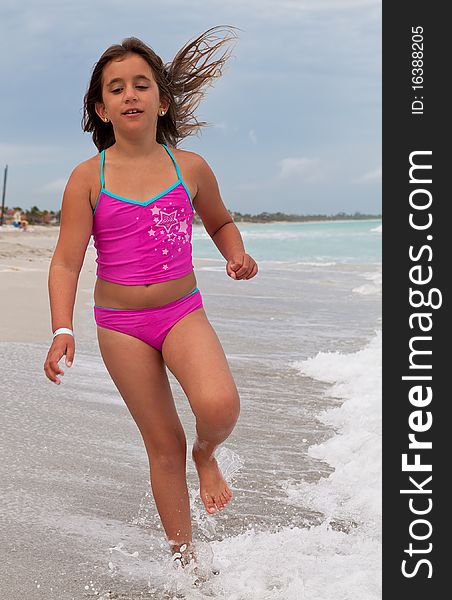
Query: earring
x=106, y=119
x=162, y=112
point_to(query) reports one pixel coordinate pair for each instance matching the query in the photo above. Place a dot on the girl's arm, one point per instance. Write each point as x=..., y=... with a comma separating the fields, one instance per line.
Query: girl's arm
x=219, y=223
x=75, y=231
x=65, y=266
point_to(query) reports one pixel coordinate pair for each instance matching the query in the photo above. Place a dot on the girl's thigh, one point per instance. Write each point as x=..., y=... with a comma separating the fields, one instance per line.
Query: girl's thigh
x=193, y=353
x=138, y=372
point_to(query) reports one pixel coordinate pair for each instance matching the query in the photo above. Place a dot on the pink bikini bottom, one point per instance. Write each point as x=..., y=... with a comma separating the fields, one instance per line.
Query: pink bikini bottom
x=148, y=324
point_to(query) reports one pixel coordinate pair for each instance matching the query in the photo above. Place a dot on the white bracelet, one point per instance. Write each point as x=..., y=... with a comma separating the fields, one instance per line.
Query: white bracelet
x=63, y=330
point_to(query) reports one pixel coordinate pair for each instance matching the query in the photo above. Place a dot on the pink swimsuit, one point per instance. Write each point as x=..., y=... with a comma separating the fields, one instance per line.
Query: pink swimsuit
x=140, y=243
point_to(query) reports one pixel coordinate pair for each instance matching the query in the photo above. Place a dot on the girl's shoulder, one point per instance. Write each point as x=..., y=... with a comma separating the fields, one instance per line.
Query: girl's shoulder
x=87, y=173
x=88, y=167
x=189, y=161
x=181, y=154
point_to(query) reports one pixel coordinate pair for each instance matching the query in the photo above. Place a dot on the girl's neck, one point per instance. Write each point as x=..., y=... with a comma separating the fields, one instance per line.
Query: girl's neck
x=136, y=148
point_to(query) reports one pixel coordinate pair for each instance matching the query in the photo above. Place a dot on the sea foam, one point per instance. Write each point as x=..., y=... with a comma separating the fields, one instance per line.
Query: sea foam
x=373, y=286
x=350, y=498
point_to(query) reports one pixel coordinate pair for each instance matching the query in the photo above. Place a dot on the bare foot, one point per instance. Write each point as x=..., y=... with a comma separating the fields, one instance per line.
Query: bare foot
x=214, y=491
x=183, y=554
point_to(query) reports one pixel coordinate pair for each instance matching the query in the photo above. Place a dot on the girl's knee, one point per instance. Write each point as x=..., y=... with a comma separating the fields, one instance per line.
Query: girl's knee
x=220, y=412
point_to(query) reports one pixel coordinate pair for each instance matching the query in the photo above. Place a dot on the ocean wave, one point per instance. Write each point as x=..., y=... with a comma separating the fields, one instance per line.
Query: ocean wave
x=290, y=264
x=304, y=234
x=372, y=288
x=351, y=495
x=316, y=264
x=378, y=229
x=217, y=269
x=291, y=564
x=284, y=265
x=353, y=490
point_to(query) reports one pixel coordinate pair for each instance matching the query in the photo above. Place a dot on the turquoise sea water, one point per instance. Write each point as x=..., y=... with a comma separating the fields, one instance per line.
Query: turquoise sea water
x=310, y=242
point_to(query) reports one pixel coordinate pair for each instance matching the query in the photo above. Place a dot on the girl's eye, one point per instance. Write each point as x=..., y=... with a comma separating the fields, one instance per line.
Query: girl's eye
x=140, y=87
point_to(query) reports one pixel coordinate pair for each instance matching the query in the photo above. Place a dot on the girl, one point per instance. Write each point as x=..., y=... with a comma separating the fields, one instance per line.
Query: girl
x=148, y=308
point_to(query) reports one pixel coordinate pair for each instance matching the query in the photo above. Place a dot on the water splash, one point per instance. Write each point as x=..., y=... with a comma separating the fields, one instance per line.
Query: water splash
x=230, y=463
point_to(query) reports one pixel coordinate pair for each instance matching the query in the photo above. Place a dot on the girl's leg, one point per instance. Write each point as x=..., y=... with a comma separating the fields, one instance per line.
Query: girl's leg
x=193, y=353
x=138, y=371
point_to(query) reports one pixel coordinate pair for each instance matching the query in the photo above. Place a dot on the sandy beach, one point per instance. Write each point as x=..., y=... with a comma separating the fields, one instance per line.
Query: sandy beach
x=76, y=511
x=24, y=265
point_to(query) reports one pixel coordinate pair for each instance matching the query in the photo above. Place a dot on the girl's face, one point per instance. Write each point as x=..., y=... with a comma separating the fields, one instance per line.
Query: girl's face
x=129, y=84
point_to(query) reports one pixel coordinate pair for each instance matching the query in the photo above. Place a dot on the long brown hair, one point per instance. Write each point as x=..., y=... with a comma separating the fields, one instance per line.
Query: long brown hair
x=181, y=82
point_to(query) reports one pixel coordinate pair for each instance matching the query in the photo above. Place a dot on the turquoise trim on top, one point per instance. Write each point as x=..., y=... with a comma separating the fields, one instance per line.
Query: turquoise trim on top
x=102, y=161
x=179, y=175
x=174, y=161
x=146, y=202
x=188, y=194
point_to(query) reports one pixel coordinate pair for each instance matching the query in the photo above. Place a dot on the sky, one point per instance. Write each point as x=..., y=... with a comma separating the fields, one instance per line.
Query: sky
x=295, y=118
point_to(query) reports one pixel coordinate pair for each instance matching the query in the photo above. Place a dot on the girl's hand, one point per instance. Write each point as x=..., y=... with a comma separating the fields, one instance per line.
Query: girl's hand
x=241, y=266
x=63, y=344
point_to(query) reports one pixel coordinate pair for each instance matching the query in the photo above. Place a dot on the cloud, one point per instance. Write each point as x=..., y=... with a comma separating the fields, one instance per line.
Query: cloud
x=252, y=136
x=57, y=185
x=290, y=7
x=369, y=177
x=326, y=5
x=303, y=169
x=270, y=10
x=307, y=169
x=319, y=49
x=28, y=154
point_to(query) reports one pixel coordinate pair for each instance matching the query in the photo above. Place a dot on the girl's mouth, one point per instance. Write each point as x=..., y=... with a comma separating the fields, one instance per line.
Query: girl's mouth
x=132, y=114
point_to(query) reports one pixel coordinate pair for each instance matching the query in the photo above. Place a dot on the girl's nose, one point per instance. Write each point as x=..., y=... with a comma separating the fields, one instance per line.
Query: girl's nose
x=130, y=93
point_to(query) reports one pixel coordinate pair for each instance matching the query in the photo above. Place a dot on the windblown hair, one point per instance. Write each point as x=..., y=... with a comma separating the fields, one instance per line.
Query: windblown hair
x=181, y=82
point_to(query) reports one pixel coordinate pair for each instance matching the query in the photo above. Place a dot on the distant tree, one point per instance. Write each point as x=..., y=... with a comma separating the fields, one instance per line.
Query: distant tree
x=34, y=215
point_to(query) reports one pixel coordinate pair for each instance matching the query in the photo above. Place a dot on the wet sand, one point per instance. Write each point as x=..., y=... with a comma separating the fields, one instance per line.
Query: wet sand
x=76, y=513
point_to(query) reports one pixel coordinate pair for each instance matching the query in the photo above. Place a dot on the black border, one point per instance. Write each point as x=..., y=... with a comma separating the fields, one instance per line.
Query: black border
x=404, y=133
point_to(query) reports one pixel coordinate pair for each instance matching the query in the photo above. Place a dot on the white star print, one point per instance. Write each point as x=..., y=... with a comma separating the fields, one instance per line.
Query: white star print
x=151, y=232
x=172, y=237
x=155, y=210
x=167, y=220
x=165, y=267
x=165, y=251
x=183, y=226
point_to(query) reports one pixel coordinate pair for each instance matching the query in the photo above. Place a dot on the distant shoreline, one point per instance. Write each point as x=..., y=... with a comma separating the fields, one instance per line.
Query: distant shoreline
x=258, y=219
x=349, y=220
x=283, y=218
